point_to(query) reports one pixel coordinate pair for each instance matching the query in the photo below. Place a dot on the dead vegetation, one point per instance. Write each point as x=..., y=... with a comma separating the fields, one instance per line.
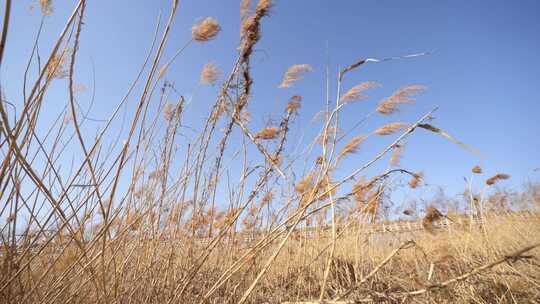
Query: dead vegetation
x=142, y=211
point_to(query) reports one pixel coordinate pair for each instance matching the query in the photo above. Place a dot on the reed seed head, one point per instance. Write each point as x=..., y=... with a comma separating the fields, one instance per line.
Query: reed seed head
x=263, y=5
x=402, y=95
x=168, y=111
x=495, y=178
x=374, y=200
x=267, y=133
x=205, y=30
x=476, y=170
x=210, y=73
x=391, y=128
x=244, y=9
x=408, y=212
x=304, y=184
x=417, y=178
x=356, y=92
x=295, y=73
x=396, y=155
x=352, y=145
x=294, y=103
x=57, y=68
x=46, y=7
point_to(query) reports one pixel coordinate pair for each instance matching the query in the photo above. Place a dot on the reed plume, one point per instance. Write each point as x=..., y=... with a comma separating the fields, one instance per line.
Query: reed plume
x=295, y=73
x=244, y=9
x=401, y=96
x=476, y=170
x=390, y=128
x=46, y=7
x=294, y=103
x=417, y=178
x=210, y=73
x=352, y=145
x=267, y=133
x=168, y=111
x=58, y=65
x=408, y=212
x=205, y=30
x=374, y=201
x=356, y=92
x=495, y=178
x=396, y=155
x=304, y=184
x=359, y=190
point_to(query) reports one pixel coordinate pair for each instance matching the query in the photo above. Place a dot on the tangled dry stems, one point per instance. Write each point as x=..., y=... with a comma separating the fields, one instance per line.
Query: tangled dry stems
x=137, y=219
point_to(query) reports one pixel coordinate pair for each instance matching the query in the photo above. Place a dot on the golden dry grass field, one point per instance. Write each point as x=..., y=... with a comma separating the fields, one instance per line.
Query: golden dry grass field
x=136, y=211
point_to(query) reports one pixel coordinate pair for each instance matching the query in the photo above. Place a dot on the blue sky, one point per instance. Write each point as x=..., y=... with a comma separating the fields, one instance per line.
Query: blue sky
x=484, y=74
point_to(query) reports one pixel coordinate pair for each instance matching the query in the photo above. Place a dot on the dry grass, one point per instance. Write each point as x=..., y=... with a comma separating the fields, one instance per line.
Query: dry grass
x=149, y=210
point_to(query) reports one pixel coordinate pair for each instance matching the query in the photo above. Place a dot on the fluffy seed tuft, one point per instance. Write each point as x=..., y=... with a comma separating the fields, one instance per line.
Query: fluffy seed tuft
x=417, y=178
x=294, y=73
x=205, y=30
x=352, y=145
x=356, y=92
x=267, y=133
x=390, y=128
x=46, y=7
x=168, y=111
x=476, y=170
x=294, y=103
x=402, y=95
x=210, y=73
x=396, y=155
x=499, y=176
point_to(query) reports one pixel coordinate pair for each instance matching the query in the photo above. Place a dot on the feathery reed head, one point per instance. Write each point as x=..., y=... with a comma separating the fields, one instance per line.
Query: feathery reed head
x=391, y=128
x=210, y=73
x=403, y=95
x=356, y=92
x=58, y=65
x=294, y=73
x=205, y=30
x=352, y=145
x=417, y=178
x=250, y=27
x=476, y=170
x=374, y=201
x=499, y=176
x=359, y=190
x=168, y=111
x=304, y=184
x=244, y=9
x=322, y=186
x=263, y=5
x=267, y=133
x=294, y=103
x=267, y=198
x=46, y=7
x=408, y=212
x=396, y=155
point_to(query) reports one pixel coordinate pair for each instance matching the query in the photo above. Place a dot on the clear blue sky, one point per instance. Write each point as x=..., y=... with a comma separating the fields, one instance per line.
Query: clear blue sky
x=484, y=75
